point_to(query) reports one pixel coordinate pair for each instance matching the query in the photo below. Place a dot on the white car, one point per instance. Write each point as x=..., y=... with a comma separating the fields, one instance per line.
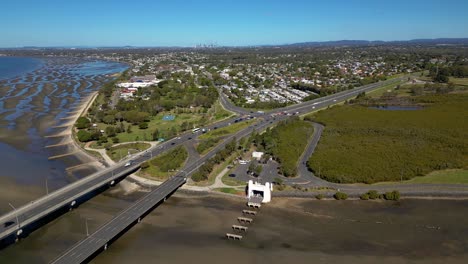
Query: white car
x=128, y=164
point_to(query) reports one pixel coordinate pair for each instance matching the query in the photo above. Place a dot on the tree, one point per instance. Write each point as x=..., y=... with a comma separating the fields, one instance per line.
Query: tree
x=110, y=131
x=82, y=122
x=129, y=129
x=109, y=119
x=155, y=134
x=84, y=136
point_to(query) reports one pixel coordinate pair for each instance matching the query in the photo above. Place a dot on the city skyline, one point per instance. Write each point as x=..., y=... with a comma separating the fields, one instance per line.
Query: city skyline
x=243, y=23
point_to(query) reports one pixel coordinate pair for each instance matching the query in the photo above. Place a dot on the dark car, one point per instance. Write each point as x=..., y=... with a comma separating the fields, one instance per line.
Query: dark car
x=172, y=143
x=9, y=223
x=232, y=175
x=189, y=138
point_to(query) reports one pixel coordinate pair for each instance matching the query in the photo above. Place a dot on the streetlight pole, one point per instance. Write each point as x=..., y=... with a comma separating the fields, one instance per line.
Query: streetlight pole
x=16, y=215
x=86, y=223
x=46, y=186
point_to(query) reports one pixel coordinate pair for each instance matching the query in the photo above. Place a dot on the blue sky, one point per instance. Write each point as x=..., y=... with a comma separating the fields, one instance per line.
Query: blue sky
x=236, y=22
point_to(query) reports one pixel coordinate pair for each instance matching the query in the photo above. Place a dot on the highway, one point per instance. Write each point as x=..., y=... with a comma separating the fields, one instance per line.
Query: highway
x=14, y=221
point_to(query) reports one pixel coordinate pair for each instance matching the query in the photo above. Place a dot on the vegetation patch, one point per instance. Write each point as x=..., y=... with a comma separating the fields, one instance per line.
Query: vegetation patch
x=164, y=165
x=206, y=144
x=360, y=144
x=286, y=142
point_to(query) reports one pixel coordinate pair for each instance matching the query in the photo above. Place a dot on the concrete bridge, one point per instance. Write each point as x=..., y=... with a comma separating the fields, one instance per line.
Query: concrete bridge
x=87, y=248
x=23, y=220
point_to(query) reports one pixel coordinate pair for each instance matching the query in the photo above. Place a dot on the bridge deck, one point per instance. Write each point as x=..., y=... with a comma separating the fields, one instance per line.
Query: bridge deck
x=100, y=239
x=42, y=207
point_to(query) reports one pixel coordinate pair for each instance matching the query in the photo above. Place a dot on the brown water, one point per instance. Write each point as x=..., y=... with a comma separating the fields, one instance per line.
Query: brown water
x=191, y=230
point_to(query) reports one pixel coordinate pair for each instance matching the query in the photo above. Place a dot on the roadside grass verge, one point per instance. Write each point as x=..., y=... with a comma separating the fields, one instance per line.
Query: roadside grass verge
x=452, y=176
x=224, y=131
x=229, y=190
x=116, y=153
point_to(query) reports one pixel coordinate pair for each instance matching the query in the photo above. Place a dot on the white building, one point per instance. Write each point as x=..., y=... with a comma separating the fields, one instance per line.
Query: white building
x=258, y=190
x=257, y=155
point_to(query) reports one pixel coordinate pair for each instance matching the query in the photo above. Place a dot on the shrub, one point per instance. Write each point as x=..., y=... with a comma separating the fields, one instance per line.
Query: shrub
x=364, y=196
x=392, y=196
x=198, y=176
x=373, y=194
x=340, y=196
x=319, y=196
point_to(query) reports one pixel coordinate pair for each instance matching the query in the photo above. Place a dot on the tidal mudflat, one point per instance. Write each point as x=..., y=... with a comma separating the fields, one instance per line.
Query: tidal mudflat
x=32, y=104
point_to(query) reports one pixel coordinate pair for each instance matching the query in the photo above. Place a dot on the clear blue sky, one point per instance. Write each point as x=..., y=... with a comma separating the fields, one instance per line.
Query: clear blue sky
x=234, y=22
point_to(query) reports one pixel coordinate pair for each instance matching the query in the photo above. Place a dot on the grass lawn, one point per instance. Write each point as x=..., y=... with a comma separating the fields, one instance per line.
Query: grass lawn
x=443, y=176
x=229, y=190
x=231, y=181
x=121, y=151
x=459, y=81
x=384, y=89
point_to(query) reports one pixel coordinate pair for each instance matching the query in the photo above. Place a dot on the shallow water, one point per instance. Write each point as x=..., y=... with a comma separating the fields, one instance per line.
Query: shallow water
x=37, y=98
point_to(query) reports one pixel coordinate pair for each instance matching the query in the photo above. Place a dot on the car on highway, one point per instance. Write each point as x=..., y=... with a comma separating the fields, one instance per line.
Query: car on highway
x=232, y=175
x=128, y=164
x=9, y=223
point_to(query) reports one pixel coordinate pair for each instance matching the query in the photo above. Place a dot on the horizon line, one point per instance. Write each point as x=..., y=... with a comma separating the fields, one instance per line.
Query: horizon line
x=234, y=46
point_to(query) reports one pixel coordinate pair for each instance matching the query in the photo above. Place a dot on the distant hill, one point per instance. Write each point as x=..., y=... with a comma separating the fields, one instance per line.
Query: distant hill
x=438, y=41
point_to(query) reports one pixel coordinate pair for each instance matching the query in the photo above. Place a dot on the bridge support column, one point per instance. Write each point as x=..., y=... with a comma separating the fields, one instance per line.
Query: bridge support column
x=165, y=198
x=71, y=205
x=105, y=247
x=139, y=219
